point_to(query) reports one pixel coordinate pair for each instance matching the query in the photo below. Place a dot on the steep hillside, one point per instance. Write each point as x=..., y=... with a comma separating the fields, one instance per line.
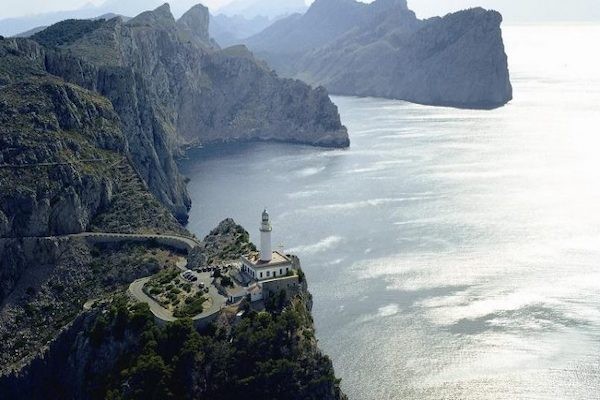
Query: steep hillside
x=172, y=87
x=63, y=156
x=382, y=49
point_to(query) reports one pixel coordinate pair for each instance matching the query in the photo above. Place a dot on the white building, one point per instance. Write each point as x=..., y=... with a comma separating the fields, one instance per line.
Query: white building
x=267, y=264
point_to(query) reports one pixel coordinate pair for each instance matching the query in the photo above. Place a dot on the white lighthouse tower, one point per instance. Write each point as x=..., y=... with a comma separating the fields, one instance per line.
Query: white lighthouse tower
x=268, y=264
x=266, y=252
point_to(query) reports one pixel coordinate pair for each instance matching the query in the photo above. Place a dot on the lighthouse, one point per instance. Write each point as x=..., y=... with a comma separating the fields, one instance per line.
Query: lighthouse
x=266, y=265
x=266, y=252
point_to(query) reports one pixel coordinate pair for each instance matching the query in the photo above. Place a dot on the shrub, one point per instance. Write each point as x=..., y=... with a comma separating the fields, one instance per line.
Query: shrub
x=193, y=306
x=226, y=281
x=300, y=275
x=155, y=291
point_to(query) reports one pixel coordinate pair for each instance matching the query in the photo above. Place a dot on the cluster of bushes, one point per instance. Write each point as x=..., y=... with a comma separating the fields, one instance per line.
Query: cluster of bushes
x=226, y=281
x=192, y=306
x=66, y=32
x=162, y=283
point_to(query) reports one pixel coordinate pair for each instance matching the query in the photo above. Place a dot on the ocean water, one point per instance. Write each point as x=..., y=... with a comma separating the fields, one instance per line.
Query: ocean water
x=451, y=253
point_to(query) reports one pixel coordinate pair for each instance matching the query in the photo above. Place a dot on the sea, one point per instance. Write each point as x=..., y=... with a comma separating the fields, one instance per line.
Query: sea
x=452, y=254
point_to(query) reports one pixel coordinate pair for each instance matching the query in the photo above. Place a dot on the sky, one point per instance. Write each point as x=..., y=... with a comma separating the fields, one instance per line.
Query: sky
x=513, y=10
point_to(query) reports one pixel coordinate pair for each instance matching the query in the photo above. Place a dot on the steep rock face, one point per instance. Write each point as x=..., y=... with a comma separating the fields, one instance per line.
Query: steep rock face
x=196, y=22
x=63, y=156
x=64, y=364
x=259, y=106
x=18, y=255
x=54, y=140
x=172, y=87
x=458, y=60
x=297, y=34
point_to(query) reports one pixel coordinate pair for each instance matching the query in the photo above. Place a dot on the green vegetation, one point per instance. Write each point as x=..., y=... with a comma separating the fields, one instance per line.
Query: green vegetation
x=265, y=356
x=181, y=297
x=192, y=307
x=226, y=281
x=66, y=32
x=81, y=274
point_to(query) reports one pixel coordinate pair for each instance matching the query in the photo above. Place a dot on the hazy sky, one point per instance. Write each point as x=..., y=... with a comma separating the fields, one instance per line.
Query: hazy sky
x=514, y=10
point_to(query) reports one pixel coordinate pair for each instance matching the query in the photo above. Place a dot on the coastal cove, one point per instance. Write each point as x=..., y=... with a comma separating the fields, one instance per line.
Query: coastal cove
x=443, y=237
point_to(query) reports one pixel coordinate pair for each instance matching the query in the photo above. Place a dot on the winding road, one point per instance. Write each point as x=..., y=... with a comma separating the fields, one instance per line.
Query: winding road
x=178, y=242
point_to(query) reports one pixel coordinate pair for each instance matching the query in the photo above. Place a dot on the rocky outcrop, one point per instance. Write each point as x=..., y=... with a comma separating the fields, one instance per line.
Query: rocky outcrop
x=196, y=23
x=116, y=347
x=69, y=349
x=382, y=49
x=260, y=106
x=17, y=256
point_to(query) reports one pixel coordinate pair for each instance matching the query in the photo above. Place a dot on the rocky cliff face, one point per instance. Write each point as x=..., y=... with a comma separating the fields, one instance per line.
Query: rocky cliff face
x=64, y=160
x=172, y=87
x=382, y=49
x=55, y=141
x=196, y=22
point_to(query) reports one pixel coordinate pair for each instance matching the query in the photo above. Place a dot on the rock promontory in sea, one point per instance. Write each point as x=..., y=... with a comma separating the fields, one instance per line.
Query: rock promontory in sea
x=382, y=49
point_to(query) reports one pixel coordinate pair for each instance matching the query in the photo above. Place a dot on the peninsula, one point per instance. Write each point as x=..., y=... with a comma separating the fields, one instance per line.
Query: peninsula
x=382, y=49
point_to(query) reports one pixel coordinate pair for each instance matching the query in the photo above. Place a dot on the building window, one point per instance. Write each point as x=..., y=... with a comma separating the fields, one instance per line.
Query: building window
x=280, y=271
x=261, y=274
x=268, y=273
x=287, y=270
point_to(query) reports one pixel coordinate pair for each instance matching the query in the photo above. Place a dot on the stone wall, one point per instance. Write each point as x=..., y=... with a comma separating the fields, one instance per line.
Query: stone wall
x=291, y=285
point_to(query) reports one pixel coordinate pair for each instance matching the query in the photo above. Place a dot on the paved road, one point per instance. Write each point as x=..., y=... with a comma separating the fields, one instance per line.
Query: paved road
x=174, y=241
x=218, y=301
x=181, y=242
x=135, y=288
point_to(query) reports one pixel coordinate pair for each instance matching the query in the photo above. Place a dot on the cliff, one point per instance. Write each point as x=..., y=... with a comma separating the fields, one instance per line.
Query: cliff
x=64, y=159
x=116, y=350
x=382, y=49
x=173, y=87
